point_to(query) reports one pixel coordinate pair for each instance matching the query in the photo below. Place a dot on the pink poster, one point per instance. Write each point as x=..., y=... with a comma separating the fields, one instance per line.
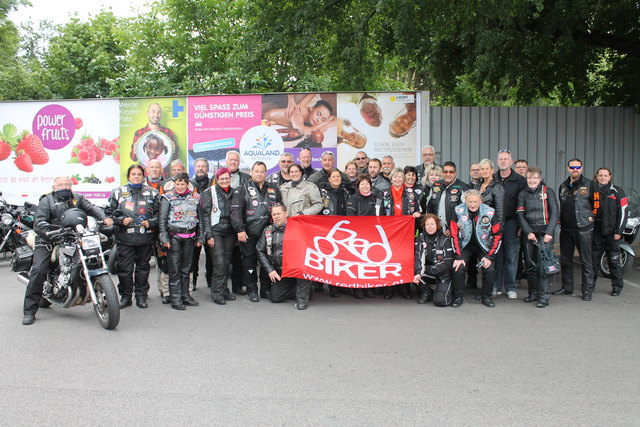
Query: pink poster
x=216, y=124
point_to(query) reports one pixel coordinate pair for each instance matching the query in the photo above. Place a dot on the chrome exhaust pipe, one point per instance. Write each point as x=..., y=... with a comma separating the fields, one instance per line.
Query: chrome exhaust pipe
x=23, y=278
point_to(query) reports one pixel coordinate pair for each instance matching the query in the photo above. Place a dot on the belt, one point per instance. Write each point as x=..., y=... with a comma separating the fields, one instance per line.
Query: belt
x=182, y=230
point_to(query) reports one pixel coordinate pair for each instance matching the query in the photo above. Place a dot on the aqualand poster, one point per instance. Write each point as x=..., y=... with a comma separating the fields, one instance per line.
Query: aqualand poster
x=95, y=141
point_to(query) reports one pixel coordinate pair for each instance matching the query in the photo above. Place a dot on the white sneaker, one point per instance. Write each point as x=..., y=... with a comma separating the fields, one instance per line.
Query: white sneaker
x=512, y=295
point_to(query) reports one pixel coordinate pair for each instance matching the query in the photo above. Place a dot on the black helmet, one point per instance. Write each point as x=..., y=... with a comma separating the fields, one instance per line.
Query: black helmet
x=73, y=217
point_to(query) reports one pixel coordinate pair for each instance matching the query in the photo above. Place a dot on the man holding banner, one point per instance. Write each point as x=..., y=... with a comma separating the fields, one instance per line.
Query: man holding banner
x=270, y=256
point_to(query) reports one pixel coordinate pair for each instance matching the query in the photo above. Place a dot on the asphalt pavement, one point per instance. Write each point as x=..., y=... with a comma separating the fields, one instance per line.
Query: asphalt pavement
x=341, y=362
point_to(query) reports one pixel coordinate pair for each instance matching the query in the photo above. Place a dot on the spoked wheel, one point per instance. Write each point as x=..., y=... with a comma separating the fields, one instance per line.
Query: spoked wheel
x=107, y=309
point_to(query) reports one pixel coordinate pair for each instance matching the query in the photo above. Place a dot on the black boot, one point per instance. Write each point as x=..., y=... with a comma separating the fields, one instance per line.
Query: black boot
x=125, y=302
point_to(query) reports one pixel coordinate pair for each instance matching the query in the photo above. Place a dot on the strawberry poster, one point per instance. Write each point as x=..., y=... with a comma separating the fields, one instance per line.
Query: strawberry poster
x=42, y=140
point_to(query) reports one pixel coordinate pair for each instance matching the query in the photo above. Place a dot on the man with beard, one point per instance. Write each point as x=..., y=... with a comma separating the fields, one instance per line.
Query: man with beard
x=377, y=181
x=576, y=229
x=388, y=165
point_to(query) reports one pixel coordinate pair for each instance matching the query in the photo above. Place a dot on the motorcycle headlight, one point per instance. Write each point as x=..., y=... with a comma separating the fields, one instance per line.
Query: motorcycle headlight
x=7, y=219
x=91, y=242
x=631, y=222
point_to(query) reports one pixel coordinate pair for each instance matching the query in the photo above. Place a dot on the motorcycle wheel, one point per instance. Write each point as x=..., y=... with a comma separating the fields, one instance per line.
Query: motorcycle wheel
x=113, y=259
x=625, y=258
x=107, y=309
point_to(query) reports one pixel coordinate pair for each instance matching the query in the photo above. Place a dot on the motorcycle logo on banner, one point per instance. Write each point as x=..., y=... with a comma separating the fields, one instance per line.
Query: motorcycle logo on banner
x=370, y=252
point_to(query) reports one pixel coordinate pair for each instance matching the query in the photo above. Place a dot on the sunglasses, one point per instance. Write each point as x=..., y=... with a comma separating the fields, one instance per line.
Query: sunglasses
x=575, y=168
x=504, y=151
x=448, y=172
x=361, y=158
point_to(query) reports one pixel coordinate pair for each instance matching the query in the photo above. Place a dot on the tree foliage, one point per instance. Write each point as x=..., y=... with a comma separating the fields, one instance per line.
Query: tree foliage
x=489, y=52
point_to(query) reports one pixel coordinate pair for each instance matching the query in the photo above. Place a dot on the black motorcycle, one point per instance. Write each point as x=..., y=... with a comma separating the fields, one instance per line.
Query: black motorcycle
x=15, y=223
x=629, y=235
x=78, y=271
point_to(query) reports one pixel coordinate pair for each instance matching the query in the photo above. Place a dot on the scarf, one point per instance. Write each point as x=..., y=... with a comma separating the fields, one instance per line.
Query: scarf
x=396, y=194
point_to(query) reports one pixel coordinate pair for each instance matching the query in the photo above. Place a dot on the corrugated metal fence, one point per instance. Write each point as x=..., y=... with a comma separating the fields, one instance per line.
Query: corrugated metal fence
x=544, y=136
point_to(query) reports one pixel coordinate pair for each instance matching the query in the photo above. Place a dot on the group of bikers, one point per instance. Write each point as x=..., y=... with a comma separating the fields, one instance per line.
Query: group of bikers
x=497, y=224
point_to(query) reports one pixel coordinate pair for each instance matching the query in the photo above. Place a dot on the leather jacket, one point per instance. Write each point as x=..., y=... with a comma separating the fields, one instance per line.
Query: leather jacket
x=216, y=210
x=138, y=204
x=269, y=247
x=581, y=193
x=238, y=178
x=201, y=184
x=512, y=185
x=51, y=208
x=334, y=200
x=251, y=207
x=410, y=202
x=277, y=179
x=493, y=196
x=451, y=196
x=371, y=205
x=538, y=210
x=433, y=255
x=610, y=209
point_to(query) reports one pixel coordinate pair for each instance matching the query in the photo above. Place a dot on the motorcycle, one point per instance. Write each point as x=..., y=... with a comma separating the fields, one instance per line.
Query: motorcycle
x=78, y=272
x=15, y=223
x=629, y=235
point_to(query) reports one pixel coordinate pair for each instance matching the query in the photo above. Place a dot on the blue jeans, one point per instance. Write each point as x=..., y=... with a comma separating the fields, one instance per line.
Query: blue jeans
x=507, y=257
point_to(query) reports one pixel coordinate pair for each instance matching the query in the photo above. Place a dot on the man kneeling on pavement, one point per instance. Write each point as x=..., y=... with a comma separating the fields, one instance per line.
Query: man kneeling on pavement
x=270, y=257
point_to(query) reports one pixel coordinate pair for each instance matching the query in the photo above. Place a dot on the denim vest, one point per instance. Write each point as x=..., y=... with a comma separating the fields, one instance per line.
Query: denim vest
x=483, y=225
x=183, y=212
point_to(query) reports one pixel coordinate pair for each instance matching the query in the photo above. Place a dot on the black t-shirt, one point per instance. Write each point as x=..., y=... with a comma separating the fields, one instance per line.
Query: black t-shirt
x=568, y=218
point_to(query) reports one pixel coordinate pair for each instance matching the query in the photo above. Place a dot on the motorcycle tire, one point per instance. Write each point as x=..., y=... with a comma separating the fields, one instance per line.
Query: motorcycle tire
x=107, y=309
x=625, y=258
x=113, y=260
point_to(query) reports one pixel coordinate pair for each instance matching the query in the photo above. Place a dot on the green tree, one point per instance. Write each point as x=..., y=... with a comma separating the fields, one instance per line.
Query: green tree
x=576, y=51
x=84, y=58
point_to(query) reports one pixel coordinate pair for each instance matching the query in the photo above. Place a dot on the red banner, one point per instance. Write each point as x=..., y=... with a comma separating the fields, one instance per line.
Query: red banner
x=350, y=251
